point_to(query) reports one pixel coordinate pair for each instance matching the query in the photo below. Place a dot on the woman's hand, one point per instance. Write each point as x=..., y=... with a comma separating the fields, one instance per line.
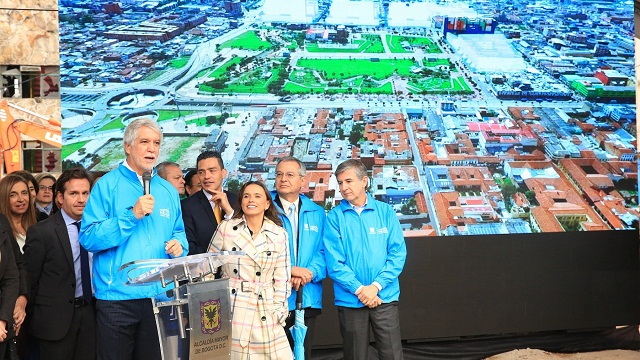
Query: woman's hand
x=19, y=312
x=3, y=330
x=281, y=317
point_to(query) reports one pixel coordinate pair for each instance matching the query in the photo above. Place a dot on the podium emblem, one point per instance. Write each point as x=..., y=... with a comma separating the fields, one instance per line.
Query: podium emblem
x=210, y=316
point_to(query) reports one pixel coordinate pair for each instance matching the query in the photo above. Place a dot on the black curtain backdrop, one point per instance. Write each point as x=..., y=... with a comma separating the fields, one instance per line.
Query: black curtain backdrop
x=469, y=297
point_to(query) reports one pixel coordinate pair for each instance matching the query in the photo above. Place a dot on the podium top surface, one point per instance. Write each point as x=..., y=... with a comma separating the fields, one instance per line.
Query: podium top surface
x=142, y=272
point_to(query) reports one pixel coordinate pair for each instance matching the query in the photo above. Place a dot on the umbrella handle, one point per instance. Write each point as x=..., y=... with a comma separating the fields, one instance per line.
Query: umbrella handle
x=299, y=298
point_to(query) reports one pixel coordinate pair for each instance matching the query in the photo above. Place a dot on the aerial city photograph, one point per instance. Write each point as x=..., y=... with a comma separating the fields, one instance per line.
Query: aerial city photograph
x=472, y=117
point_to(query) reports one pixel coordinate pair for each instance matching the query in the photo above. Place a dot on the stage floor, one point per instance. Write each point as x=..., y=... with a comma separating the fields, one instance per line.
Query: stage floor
x=621, y=343
x=535, y=354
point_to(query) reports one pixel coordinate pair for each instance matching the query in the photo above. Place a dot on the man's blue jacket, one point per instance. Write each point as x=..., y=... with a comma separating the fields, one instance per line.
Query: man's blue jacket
x=311, y=221
x=116, y=236
x=361, y=249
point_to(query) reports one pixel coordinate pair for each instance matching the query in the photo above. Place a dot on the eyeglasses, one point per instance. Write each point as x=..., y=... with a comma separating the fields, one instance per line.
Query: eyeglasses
x=42, y=187
x=288, y=175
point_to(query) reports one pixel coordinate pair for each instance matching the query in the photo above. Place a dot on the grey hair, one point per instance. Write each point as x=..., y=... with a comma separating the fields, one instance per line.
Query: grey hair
x=42, y=176
x=131, y=132
x=302, y=170
x=356, y=165
x=164, y=166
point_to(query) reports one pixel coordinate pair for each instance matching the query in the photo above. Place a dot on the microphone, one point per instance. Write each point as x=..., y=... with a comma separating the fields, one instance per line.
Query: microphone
x=146, y=184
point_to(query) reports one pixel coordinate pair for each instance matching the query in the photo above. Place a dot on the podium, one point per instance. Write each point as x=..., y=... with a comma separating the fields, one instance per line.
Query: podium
x=193, y=316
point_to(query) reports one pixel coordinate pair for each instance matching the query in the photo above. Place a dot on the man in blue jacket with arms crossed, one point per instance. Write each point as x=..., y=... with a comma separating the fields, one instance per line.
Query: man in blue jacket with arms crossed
x=365, y=254
x=121, y=224
x=304, y=222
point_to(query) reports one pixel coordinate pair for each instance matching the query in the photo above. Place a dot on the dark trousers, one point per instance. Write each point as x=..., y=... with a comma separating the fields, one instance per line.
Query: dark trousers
x=385, y=323
x=127, y=330
x=3, y=348
x=79, y=343
x=310, y=322
x=25, y=342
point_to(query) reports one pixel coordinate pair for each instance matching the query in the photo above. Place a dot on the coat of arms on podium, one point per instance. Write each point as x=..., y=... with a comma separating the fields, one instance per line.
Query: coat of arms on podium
x=210, y=316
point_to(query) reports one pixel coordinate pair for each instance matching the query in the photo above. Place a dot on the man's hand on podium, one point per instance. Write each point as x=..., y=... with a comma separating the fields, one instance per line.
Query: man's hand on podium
x=173, y=248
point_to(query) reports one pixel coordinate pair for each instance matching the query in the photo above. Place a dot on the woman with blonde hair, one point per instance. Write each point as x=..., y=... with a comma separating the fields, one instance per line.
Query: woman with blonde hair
x=259, y=280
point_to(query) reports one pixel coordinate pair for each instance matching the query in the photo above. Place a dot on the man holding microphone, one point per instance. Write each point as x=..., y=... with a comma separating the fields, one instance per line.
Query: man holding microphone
x=122, y=223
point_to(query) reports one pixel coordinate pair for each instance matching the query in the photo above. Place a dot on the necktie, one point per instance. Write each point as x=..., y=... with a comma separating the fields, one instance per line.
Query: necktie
x=293, y=219
x=217, y=212
x=85, y=274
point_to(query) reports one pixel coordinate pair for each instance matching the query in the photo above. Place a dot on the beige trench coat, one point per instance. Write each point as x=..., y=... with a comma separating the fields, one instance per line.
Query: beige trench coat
x=259, y=283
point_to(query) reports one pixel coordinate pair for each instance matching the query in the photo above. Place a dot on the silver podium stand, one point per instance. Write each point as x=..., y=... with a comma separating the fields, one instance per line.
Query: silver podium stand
x=193, y=317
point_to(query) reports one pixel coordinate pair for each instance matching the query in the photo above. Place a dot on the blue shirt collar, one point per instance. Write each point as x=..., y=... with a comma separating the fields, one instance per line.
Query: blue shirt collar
x=68, y=220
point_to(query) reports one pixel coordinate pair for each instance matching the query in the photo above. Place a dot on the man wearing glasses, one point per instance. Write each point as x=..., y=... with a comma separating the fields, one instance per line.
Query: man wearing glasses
x=304, y=222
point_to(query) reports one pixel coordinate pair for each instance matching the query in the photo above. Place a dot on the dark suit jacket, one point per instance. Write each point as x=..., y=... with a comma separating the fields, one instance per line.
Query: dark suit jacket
x=23, y=268
x=9, y=281
x=52, y=277
x=199, y=222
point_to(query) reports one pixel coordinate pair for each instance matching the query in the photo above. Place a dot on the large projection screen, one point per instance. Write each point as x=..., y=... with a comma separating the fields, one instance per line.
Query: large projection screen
x=494, y=129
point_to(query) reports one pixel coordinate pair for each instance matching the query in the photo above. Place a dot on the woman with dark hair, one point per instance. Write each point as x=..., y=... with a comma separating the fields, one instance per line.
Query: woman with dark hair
x=8, y=285
x=16, y=203
x=260, y=279
x=33, y=189
x=45, y=196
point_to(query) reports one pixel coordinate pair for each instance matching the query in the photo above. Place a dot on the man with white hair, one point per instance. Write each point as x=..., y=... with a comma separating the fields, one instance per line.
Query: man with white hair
x=121, y=224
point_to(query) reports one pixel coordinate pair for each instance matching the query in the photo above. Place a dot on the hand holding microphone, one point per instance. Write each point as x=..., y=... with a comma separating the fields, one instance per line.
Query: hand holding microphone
x=144, y=205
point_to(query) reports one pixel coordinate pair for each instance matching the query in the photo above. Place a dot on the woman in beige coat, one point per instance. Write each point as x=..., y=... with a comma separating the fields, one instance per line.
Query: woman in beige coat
x=259, y=281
